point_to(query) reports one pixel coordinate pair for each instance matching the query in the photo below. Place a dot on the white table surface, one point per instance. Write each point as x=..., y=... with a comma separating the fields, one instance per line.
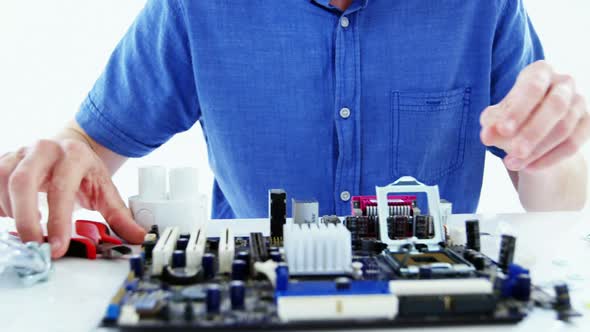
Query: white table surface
x=553, y=245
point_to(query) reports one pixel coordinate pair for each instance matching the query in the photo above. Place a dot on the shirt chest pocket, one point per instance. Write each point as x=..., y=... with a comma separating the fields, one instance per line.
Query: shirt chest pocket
x=428, y=133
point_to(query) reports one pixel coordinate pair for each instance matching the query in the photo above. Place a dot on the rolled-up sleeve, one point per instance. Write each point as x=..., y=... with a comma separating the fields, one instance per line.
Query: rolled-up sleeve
x=146, y=93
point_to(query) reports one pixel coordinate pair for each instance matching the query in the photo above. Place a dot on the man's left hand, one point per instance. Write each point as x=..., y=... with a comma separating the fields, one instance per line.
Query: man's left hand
x=542, y=120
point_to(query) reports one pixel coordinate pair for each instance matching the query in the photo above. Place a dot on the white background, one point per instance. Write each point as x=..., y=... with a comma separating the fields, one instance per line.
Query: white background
x=51, y=52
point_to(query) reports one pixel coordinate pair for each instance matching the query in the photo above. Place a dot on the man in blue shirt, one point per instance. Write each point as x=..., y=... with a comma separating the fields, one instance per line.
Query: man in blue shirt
x=323, y=98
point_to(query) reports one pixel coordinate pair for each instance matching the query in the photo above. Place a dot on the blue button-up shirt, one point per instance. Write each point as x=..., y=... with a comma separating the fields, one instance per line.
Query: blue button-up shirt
x=323, y=103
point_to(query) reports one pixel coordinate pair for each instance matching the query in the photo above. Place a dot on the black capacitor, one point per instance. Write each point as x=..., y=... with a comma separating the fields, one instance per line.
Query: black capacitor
x=208, y=264
x=499, y=282
x=479, y=262
x=522, y=287
x=181, y=243
x=245, y=256
x=562, y=297
x=275, y=256
x=237, y=294
x=178, y=258
x=165, y=313
x=213, y=300
x=136, y=265
x=239, y=270
x=506, y=256
x=469, y=254
x=425, y=272
x=189, y=311
x=343, y=283
x=148, y=248
x=472, y=232
x=277, y=209
x=155, y=230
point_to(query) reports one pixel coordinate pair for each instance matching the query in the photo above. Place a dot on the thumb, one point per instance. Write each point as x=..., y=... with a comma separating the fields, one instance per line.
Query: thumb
x=118, y=216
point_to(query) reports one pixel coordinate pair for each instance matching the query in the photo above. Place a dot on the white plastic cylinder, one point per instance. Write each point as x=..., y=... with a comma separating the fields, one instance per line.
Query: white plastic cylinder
x=184, y=183
x=152, y=183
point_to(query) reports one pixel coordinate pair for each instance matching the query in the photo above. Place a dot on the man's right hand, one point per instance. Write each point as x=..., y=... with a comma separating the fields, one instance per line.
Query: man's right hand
x=67, y=170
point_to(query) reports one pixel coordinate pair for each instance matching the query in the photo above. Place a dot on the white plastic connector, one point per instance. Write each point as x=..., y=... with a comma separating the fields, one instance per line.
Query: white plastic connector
x=162, y=253
x=440, y=287
x=226, y=250
x=317, y=249
x=305, y=212
x=337, y=307
x=182, y=206
x=269, y=269
x=128, y=315
x=196, y=247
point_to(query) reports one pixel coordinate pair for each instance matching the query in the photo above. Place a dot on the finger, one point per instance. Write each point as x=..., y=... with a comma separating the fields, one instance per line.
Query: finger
x=490, y=137
x=61, y=195
x=24, y=185
x=2, y=214
x=553, y=108
x=491, y=115
x=118, y=216
x=562, y=130
x=8, y=163
x=529, y=90
x=567, y=148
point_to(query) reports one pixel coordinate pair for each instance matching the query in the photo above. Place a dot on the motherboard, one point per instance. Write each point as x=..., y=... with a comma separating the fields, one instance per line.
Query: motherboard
x=389, y=263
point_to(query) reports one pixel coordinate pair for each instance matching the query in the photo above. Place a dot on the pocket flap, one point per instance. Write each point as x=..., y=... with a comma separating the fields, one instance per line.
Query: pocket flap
x=430, y=101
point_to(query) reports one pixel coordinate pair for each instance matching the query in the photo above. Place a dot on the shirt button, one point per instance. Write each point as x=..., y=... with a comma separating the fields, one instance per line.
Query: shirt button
x=345, y=112
x=345, y=196
x=344, y=22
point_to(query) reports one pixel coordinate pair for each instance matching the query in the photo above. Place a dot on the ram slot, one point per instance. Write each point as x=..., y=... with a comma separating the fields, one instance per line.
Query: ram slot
x=226, y=250
x=196, y=248
x=162, y=253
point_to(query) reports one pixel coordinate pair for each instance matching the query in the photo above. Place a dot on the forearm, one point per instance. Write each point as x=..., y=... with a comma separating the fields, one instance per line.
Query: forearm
x=112, y=160
x=560, y=187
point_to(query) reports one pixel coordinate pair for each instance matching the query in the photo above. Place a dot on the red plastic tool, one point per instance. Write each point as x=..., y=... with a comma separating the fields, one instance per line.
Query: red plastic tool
x=91, y=238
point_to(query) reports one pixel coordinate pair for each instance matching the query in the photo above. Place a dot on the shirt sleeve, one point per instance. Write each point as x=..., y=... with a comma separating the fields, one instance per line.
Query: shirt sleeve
x=516, y=45
x=146, y=93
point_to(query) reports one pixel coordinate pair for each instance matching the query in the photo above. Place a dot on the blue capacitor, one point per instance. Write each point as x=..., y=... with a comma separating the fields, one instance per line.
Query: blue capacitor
x=181, y=243
x=213, y=300
x=245, y=256
x=239, y=270
x=113, y=311
x=275, y=256
x=178, y=258
x=237, y=293
x=208, y=265
x=136, y=265
x=282, y=277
